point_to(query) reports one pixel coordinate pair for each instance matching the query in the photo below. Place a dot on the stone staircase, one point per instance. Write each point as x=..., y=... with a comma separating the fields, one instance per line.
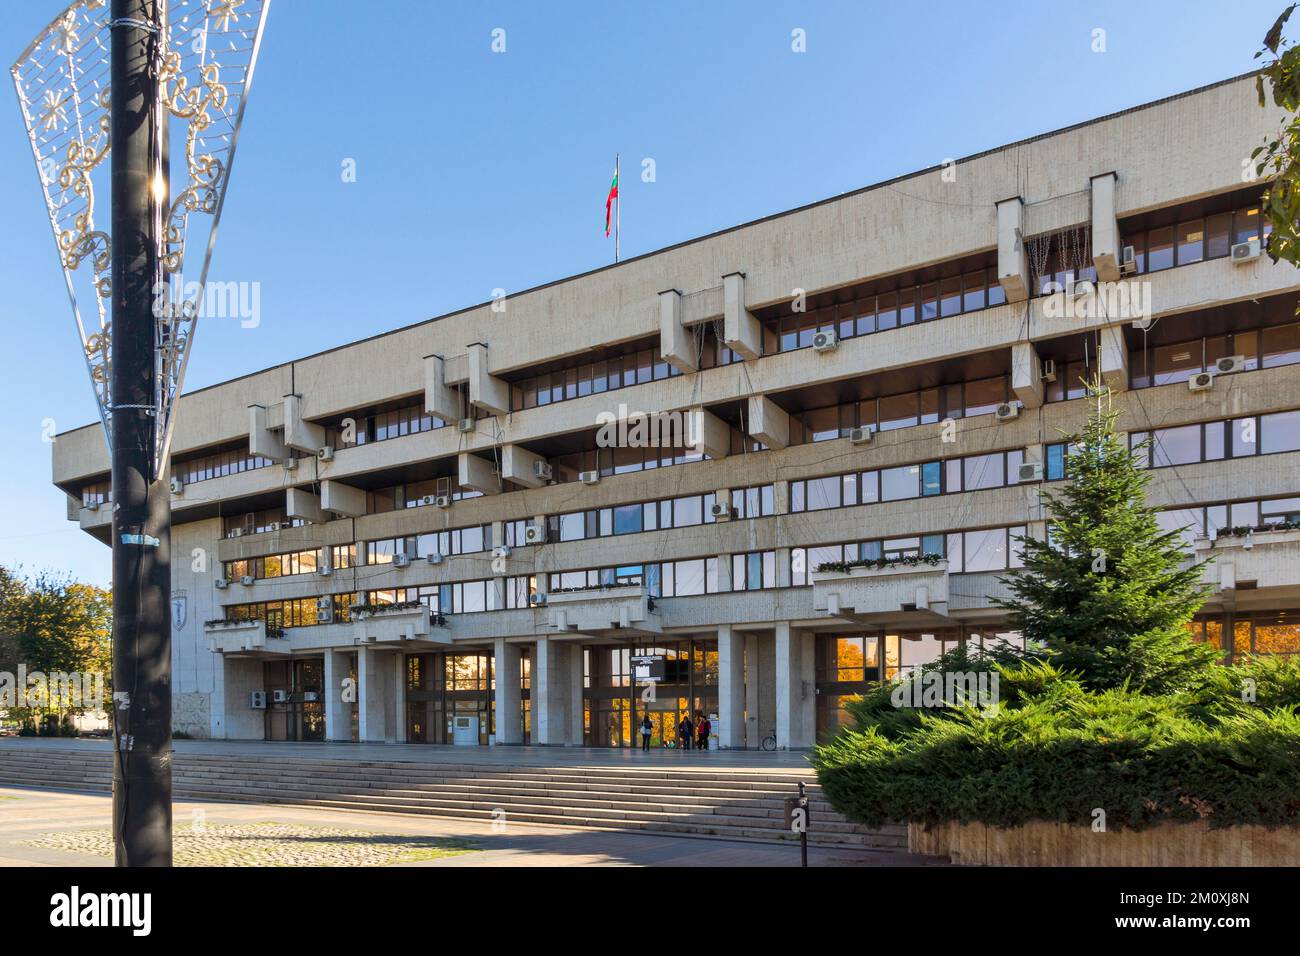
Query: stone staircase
x=723, y=804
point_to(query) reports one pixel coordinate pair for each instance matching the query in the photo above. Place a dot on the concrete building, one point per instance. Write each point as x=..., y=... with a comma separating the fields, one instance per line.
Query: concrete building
x=458, y=528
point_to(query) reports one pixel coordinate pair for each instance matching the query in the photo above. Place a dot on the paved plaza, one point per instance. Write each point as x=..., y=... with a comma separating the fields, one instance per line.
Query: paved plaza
x=58, y=828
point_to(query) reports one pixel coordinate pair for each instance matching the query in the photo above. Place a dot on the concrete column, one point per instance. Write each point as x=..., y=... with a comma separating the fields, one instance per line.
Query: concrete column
x=240, y=677
x=506, y=667
x=676, y=343
x=338, y=719
x=784, y=575
x=299, y=433
x=1013, y=258
x=550, y=692
x=731, y=688
x=768, y=422
x=1026, y=375
x=1113, y=358
x=261, y=440
x=373, y=676
x=760, y=687
x=440, y=399
x=1105, y=228
x=575, y=730
x=781, y=497
x=395, y=709
x=741, y=331
x=796, y=712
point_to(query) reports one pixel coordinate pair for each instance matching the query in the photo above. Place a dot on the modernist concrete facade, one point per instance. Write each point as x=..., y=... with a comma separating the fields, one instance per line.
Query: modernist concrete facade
x=479, y=438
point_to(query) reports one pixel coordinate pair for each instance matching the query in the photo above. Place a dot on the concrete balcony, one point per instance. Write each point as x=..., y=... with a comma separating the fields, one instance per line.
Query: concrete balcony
x=244, y=638
x=1252, y=569
x=602, y=610
x=400, y=627
x=895, y=594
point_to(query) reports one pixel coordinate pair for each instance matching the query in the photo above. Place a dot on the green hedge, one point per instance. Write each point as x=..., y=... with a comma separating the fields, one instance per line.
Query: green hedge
x=1054, y=751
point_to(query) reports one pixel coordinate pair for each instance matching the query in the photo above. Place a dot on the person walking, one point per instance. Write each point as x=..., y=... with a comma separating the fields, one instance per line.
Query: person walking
x=647, y=729
x=685, y=730
x=703, y=728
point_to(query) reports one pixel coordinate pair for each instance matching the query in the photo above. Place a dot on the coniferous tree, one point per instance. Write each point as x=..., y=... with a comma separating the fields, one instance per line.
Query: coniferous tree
x=1110, y=594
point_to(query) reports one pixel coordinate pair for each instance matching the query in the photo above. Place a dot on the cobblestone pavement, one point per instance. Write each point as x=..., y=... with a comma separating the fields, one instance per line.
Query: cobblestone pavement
x=271, y=844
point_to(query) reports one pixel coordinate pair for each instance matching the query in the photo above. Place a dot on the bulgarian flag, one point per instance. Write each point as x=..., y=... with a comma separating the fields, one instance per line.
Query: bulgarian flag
x=609, y=200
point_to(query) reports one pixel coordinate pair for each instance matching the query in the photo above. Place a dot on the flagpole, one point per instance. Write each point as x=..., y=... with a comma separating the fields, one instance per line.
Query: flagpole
x=618, y=207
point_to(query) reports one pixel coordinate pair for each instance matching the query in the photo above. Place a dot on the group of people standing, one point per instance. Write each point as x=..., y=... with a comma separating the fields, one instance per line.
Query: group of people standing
x=689, y=731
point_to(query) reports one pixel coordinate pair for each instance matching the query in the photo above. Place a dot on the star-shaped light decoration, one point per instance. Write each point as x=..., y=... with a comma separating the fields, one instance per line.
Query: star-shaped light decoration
x=54, y=114
x=65, y=40
x=226, y=12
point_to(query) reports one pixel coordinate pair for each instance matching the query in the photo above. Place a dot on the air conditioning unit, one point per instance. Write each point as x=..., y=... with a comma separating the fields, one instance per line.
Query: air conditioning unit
x=325, y=454
x=324, y=570
x=1049, y=370
x=273, y=526
x=257, y=700
x=1201, y=382
x=247, y=580
x=324, y=604
x=1243, y=252
x=1030, y=471
x=537, y=599
x=502, y=551
x=860, y=435
x=542, y=470
x=720, y=510
x=221, y=584
x=1230, y=364
x=1007, y=411
x=433, y=558
x=290, y=464
x=589, y=477
x=236, y=533
x=442, y=501
x=280, y=696
x=1128, y=264
x=465, y=425
x=401, y=560
x=177, y=486
x=310, y=696
x=534, y=534
x=825, y=341
x=427, y=500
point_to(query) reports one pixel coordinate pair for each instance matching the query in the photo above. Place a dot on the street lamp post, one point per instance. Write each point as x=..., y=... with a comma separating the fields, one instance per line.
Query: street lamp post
x=109, y=81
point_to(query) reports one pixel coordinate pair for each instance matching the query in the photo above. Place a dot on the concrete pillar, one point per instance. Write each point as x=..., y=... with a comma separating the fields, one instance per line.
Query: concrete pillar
x=298, y=432
x=506, y=667
x=301, y=503
x=518, y=465
x=1113, y=358
x=742, y=333
x=477, y=474
x=784, y=575
x=1013, y=258
x=373, y=676
x=342, y=499
x=731, y=688
x=395, y=705
x=676, y=342
x=338, y=712
x=768, y=422
x=760, y=687
x=1026, y=375
x=486, y=390
x=261, y=440
x=240, y=720
x=796, y=712
x=1105, y=228
x=551, y=693
x=575, y=731
x=440, y=400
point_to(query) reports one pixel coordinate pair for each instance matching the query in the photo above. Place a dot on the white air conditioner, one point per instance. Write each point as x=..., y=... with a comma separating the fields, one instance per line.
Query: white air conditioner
x=503, y=551
x=534, y=534
x=177, y=486
x=257, y=700
x=236, y=533
x=1049, y=370
x=247, y=580
x=1007, y=411
x=825, y=341
x=465, y=425
x=589, y=477
x=1128, y=264
x=221, y=584
x=401, y=560
x=290, y=464
x=325, y=454
x=433, y=558
x=542, y=470
x=861, y=435
x=280, y=696
x=537, y=599
x=324, y=604
x=442, y=501
x=720, y=510
x=1030, y=471
x=1230, y=364
x=1243, y=252
x=1201, y=382
x=273, y=526
x=427, y=500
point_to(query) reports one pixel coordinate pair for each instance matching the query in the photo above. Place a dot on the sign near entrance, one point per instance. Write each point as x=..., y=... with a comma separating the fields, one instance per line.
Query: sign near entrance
x=648, y=668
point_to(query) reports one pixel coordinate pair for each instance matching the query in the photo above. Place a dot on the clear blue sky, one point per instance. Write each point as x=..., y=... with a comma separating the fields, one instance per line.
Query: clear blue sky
x=478, y=170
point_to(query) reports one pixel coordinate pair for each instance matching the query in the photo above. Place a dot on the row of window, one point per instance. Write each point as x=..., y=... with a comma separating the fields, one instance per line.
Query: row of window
x=300, y=612
x=970, y=473
x=1195, y=240
x=1215, y=441
x=218, y=465
x=1208, y=521
x=470, y=540
x=1260, y=632
x=258, y=522
x=987, y=549
x=921, y=407
x=683, y=512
